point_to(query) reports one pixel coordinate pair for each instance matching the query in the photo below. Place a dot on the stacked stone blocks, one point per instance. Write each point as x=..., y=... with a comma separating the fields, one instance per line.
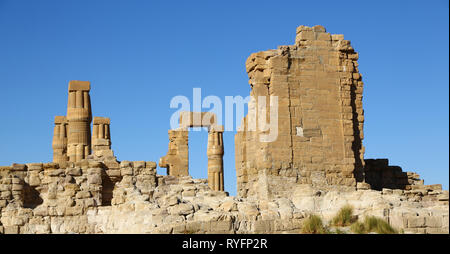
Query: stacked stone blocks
x=319, y=91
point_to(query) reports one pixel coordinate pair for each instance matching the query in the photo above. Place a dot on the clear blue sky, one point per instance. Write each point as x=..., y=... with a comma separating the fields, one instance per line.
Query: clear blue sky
x=140, y=54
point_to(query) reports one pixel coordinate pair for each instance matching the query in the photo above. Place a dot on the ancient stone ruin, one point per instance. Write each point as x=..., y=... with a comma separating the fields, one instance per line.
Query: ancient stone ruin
x=177, y=159
x=315, y=165
x=319, y=91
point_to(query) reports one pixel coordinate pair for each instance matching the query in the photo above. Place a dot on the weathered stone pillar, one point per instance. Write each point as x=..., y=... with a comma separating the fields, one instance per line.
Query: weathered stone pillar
x=215, y=158
x=79, y=117
x=101, y=139
x=177, y=159
x=59, y=143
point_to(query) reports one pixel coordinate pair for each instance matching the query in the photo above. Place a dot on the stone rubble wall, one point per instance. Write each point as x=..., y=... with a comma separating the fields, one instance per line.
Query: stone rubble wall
x=186, y=205
x=50, y=194
x=402, y=209
x=44, y=198
x=144, y=202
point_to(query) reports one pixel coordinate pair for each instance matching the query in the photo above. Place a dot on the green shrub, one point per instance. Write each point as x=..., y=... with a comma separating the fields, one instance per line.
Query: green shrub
x=377, y=225
x=372, y=224
x=344, y=217
x=314, y=225
x=188, y=232
x=358, y=228
x=339, y=232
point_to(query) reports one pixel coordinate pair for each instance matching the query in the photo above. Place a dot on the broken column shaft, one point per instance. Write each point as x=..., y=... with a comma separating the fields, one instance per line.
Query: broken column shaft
x=215, y=158
x=101, y=137
x=59, y=143
x=79, y=117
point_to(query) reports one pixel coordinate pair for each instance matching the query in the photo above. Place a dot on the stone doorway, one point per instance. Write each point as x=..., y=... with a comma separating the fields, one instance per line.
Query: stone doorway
x=177, y=159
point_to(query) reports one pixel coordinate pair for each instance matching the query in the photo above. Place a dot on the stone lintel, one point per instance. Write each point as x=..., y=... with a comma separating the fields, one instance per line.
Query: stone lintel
x=197, y=119
x=102, y=120
x=60, y=119
x=76, y=85
x=217, y=128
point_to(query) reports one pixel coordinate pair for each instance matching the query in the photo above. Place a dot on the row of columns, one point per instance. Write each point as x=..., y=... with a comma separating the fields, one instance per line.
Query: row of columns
x=72, y=140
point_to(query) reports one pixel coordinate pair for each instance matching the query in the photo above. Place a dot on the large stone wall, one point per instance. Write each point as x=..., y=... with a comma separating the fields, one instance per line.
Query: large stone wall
x=44, y=198
x=320, y=116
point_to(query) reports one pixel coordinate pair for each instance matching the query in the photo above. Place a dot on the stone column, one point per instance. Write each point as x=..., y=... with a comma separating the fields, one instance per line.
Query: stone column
x=215, y=158
x=59, y=143
x=101, y=139
x=79, y=117
x=177, y=159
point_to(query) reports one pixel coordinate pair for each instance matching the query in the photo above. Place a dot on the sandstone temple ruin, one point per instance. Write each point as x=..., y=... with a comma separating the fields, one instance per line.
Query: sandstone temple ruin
x=177, y=159
x=72, y=140
x=316, y=164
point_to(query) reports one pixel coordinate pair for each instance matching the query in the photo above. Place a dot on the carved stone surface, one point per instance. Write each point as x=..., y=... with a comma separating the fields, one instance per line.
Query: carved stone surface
x=59, y=143
x=215, y=158
x=101, y=137
x=79, y=117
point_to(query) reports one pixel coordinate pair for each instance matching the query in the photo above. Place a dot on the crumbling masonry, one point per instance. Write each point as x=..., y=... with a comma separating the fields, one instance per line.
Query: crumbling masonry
x=319, y=92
